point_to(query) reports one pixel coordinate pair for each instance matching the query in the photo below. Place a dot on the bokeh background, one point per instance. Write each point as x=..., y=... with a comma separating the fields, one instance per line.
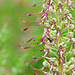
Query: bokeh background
x=11, y=56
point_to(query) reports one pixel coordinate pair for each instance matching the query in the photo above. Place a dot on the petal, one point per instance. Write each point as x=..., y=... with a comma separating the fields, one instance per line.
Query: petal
x=36, y=41
x=37, y=18
x=32, y=13
x=26, y=62
x=31, y=67
x=36, y=57
x=20, y=46
x=26, y=28
x=32, y=39
x=23, y=20
x=31, y=46
x=29, y=27
x=34, y=68
x=36, y=4
x=72, y=8
x=28, y=47
x=34, y=61
x=32, y=21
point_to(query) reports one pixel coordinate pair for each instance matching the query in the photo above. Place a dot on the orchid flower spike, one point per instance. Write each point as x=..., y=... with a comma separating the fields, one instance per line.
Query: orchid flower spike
x=58, y=37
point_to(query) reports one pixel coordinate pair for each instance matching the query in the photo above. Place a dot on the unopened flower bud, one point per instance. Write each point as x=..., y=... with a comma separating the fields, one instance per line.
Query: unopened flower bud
x=54, y=20
x=47, y=25
x=45, y=63
x=70, y=34
x=44, y=6
x=50, y=8
x=61, y=45
x=73, y=51
x=58, y=28
x=71, y=26
x=59, y=3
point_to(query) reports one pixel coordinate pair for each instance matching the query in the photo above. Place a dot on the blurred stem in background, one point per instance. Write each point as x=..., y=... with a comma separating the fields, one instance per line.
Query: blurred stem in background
x=11, y=57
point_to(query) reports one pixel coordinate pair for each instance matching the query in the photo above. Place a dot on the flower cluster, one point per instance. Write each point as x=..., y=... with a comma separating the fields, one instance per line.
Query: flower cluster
x=58, y=37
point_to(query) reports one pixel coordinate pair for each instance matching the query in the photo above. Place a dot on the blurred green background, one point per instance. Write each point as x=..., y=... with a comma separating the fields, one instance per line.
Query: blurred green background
x=11, y=56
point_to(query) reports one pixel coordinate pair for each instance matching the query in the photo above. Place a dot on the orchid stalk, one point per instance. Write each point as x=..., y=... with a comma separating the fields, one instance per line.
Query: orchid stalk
x=58, y=37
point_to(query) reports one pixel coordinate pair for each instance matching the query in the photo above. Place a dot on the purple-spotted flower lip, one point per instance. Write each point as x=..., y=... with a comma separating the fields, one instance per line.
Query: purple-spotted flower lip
x=34, y=61
x=29, y=21
x=32, y=13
